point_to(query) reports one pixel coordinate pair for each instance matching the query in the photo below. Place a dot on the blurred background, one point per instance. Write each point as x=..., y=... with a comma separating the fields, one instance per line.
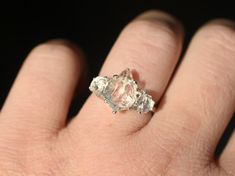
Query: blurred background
x=94, y=25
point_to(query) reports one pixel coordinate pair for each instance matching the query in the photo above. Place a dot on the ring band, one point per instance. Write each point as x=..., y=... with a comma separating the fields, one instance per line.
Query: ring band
x=121, y=92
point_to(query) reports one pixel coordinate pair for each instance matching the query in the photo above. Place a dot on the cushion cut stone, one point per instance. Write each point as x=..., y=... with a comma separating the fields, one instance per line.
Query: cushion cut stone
x=123, y=91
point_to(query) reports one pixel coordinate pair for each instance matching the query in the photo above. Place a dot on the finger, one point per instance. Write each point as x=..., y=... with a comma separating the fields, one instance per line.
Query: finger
x=200, y=100
x=40, y=97
x=150, y=45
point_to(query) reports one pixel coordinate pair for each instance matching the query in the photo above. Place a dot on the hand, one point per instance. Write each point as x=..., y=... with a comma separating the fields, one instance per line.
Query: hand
x=179, y=139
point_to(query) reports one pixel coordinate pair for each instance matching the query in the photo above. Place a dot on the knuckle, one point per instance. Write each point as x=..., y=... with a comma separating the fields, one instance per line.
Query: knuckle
x=156, y=33
x=208, y=96
x=58, y=50
x=218, y=40
x=220, y=34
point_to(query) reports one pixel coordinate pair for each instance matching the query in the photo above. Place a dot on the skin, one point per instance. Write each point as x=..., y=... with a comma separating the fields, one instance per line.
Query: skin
x=196, y=102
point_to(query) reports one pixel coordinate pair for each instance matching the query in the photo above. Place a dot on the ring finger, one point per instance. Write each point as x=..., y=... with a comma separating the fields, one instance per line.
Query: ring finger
x=150, y=45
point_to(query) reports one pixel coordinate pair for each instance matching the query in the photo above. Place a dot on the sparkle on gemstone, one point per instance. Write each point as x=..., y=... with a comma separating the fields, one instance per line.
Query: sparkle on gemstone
x=121, y=92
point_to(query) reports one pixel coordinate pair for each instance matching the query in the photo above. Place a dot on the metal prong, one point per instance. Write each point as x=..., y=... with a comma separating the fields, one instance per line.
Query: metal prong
x=115, y=76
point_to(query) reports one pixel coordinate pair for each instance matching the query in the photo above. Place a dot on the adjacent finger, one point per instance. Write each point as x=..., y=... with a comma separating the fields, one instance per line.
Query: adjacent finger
x=200, y=100
x=150, y=45
x=40, y=97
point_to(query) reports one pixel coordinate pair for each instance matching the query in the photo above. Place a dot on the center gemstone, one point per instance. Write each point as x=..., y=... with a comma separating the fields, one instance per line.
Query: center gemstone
x=123, y=91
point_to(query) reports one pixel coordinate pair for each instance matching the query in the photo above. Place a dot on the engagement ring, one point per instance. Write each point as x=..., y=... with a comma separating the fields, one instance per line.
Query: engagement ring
x=121, y=92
